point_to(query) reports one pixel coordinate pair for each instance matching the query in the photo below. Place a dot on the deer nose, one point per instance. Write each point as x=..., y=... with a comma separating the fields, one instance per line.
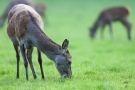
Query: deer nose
x=64, y=76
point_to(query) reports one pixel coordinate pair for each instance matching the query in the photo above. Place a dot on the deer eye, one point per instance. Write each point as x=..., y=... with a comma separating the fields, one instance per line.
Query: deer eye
x=64, y=54
x=69, y=62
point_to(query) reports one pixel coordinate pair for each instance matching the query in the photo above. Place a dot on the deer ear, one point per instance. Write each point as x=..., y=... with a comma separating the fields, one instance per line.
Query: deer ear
x=65, y=44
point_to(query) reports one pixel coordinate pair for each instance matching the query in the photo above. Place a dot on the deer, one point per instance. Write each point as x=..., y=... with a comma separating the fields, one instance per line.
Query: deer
x=40, y=9
x=110, y=15
x=10, y=5
x=25, y=30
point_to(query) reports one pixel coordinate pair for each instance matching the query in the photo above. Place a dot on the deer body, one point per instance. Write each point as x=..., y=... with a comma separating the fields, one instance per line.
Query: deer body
x=110, y=15
x=25, y=31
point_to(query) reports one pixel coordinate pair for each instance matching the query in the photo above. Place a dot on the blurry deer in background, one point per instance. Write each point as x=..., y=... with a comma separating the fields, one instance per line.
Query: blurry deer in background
x=27, y=2
x=25, y=31
x=11, y=4
x=40, y=8
x=108, y=16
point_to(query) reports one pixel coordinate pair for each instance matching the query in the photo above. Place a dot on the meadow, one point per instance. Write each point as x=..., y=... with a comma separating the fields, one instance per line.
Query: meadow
x=97, y=64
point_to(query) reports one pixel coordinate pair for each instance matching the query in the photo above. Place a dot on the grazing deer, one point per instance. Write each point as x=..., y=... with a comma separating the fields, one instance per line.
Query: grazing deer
x=40, y=8
x=11, y=4
x=25, y=31
x=108, y=16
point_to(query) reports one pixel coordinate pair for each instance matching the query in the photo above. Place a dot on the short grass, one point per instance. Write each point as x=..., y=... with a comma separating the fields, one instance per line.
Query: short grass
x=97, y=64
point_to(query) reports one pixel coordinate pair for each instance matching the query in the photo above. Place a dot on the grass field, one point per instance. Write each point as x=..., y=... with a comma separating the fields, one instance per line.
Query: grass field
x=97, y=64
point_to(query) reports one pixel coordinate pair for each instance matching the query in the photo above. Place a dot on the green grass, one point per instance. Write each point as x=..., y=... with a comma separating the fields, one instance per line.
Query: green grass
x=99, y=64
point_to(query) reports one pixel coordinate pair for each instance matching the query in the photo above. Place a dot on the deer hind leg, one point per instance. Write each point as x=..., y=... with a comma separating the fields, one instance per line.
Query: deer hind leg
x=29, y=57
x=40, y=63
x=128, y=27
x=25, y=59
x=111, y=30
x=18, y=59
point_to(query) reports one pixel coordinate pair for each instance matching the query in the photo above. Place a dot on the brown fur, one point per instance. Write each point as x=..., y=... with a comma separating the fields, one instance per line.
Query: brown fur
x=40, y=8
x=114, y=13
x=17, y=21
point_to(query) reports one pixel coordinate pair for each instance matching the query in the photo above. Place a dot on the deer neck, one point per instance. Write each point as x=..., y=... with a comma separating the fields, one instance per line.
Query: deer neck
x=96, y=25
x=48, y=47
x=40, y=40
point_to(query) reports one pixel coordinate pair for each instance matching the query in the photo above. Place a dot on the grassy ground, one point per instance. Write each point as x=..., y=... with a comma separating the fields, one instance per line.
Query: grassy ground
x=96, y=64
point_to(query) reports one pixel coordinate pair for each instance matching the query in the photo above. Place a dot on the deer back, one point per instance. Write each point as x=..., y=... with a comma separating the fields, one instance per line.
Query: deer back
x=114, y=13
x=18, y=19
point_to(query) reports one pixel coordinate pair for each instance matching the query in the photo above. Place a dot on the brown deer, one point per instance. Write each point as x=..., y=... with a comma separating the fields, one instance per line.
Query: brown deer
x=11, y=4
x=108, y=16
x=25, y=30
x=40, y=9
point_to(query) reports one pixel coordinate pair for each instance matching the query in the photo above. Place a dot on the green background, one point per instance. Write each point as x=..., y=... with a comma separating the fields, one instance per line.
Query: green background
x=97, y=64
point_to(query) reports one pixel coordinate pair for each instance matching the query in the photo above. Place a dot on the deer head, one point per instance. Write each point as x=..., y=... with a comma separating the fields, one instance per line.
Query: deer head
x=92, y=32
x=63, y=61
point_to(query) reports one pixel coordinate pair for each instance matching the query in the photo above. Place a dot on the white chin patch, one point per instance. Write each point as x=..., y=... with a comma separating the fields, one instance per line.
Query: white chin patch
x=64, y=76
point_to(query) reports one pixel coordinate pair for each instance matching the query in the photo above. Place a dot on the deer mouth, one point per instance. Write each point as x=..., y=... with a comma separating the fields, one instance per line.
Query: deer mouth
x=66, y=76
x=64, y=71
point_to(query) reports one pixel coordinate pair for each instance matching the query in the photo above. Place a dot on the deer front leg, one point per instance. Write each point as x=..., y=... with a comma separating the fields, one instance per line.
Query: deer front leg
x=102, y=31
x=5, y=15
x=29, y=57
x=25, y=59
x=40, y=63
x=111, y=31
x=18, y=59
x=1, y=22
